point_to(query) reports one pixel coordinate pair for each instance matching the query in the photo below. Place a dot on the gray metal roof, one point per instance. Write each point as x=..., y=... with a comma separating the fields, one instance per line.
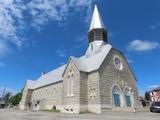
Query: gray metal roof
x=46, y=79
x=91, y=61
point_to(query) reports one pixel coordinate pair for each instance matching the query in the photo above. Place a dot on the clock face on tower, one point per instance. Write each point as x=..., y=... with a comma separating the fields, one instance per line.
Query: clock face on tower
x=118, y=62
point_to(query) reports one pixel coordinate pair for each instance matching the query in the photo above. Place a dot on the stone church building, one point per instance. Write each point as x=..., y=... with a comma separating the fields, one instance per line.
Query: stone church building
x=100, y=80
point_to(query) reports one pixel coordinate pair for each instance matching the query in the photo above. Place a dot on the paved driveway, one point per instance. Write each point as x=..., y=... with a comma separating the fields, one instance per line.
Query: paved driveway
x=19, y=115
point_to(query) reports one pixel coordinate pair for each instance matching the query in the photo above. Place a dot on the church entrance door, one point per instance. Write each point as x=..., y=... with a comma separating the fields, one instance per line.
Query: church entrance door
x=128, y=100
x=116, y=98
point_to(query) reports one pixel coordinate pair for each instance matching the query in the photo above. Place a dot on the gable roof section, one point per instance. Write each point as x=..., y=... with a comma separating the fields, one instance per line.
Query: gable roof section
x=91, y=62
x=46, y=79
x=51, y=77
x=87, y=63
x=30, y=84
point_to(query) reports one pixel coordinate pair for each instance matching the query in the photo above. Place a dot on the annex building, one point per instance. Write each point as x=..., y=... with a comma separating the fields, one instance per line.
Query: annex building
x=100, y=80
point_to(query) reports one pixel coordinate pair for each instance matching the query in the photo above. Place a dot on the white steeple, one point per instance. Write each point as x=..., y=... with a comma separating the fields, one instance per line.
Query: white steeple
x=97, y=34
x=96, y=20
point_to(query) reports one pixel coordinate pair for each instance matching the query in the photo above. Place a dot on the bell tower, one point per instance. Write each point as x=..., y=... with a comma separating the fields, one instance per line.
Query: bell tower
x=97, y=34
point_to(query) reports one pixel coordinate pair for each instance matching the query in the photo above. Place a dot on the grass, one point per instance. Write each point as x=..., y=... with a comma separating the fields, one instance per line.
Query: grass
x=53, y=110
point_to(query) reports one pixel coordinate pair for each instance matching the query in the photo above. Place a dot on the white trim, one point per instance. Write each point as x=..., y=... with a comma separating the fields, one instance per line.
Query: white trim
x=130, y=94
x=120, y=67
x=121, y=96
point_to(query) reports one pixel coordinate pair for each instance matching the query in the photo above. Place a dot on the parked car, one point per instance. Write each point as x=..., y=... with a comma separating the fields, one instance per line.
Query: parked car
x=155, y=107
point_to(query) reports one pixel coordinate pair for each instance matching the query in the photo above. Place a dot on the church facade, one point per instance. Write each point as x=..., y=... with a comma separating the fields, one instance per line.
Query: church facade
x=100, y=80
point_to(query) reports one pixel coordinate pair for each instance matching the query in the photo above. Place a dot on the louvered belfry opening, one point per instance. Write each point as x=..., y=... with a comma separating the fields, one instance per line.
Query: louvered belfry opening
x=98, y=34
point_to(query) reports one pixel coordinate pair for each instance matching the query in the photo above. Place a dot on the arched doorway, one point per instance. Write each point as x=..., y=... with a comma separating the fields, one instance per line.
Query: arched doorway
x=128, y=96
x=116, y=94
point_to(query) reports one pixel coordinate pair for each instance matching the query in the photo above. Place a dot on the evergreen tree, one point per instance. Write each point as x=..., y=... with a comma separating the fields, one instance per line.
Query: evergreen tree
x=147, y=96
x=16, y=99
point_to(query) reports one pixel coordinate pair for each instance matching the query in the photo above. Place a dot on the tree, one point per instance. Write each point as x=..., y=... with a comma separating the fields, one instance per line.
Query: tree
x=7, y=97
x=147, y=96
x=16, y=99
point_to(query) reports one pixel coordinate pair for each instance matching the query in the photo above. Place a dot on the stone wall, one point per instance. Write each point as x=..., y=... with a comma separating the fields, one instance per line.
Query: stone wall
x=83, y=92
x=110, y=76
x=94, y=93
x=71, y=104
x=48, y=96
x=26, y=99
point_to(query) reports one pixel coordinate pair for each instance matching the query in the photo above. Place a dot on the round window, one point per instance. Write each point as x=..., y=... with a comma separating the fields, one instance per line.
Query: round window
x=118, y=63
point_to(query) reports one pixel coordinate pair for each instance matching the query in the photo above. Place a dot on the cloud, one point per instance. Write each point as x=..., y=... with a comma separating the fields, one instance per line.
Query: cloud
x=7, y=89
x=16, y=16
x=153, y=86
x=61, y=53
x=3, y=49
x=43, y=11
x=11, y=17
x=81, y=38
x=130, y=60
x=142, y=45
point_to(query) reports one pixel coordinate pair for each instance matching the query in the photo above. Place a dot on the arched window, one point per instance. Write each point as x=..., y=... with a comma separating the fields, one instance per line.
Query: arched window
x=70, y=84
x=127, y=94
x=116, y=96
x=54, y=93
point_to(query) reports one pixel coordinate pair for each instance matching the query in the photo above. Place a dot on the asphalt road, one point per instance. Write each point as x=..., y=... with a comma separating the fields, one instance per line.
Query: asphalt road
x=21, y=115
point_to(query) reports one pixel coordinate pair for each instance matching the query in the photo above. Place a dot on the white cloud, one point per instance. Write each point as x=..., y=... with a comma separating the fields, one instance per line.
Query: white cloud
x=17, y=15
x=61, y=53
x=7, y=89
x=81, y=38
x=11, y=16
x=142, y=45
x=3, y=49
x=130, y=60
x=79, y=3
x=43, y=11
x=153, y=86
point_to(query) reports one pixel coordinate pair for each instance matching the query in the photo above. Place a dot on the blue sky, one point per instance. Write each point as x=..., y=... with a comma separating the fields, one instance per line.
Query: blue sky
x=40, y=35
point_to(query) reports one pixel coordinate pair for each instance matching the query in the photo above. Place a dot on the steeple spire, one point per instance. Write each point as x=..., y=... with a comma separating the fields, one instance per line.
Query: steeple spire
x=97, y=31
x=96, y=20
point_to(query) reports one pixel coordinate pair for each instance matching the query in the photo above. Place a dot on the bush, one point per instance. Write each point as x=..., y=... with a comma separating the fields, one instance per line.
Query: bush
x=15, y=99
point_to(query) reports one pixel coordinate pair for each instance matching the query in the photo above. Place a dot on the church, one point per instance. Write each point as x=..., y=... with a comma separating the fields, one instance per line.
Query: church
x=100, y=80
